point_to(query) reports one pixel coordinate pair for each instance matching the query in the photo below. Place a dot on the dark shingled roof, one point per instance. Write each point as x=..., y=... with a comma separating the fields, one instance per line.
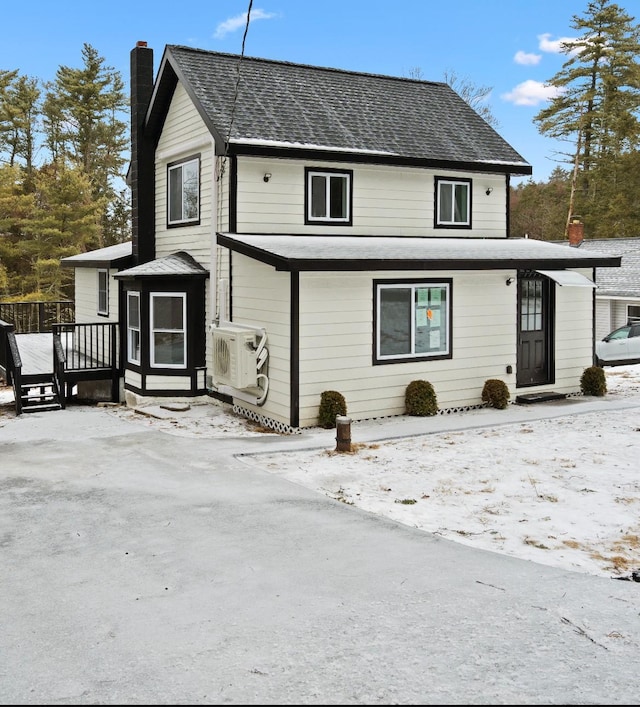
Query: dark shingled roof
x=179, y=264
x=618, y=282
x=281, y=104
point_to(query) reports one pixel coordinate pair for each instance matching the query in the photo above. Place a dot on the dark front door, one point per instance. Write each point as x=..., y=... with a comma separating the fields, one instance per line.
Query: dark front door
x=535, y=313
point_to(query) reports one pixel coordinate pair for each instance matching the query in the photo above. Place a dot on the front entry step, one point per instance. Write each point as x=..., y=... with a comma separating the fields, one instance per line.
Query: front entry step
x=38, y=394
x=544, y=397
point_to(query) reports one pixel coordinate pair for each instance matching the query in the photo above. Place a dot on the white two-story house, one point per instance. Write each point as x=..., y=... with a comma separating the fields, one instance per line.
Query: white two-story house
x=299, y=229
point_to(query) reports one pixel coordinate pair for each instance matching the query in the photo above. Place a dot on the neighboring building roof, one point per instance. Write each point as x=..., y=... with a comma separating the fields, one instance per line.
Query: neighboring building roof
x=351, y=253
x=118, y=255
x=284, y=106
x=617, y=282
x=179, y=264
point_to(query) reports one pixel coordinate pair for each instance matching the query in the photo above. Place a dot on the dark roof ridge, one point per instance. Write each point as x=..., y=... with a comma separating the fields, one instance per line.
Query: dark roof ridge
x=283, y=62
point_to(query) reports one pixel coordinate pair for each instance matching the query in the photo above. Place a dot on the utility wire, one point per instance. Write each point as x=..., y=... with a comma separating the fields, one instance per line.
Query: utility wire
x=237, y=90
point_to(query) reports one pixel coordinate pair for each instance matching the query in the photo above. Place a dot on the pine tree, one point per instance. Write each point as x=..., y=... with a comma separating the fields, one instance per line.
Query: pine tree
x=19, y=111
x=84, y=125
x=598, y=102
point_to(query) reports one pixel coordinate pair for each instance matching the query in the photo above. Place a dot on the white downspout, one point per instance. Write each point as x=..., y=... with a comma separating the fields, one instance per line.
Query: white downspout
x=213, y=257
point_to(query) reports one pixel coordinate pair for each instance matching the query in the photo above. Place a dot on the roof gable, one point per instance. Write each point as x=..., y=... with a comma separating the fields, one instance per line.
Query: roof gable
x=282, y=105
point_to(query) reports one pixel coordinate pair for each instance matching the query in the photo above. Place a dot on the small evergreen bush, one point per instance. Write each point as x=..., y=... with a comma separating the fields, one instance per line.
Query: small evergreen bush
x=420, y=399
x=496, y=393
x=593, y=381
x=332, y=404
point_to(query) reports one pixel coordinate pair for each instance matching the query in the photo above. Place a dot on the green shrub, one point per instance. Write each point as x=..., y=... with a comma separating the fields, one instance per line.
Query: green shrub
x=496, y=393
x=332, y=404
x=593, y=381
x=420, y=399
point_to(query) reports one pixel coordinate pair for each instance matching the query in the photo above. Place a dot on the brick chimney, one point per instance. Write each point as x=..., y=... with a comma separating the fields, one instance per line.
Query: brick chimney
x=575, y=231
x=142, y=172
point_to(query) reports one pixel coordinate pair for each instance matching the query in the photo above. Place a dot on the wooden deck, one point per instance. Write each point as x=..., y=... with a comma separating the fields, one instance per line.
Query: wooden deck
x=36, y=352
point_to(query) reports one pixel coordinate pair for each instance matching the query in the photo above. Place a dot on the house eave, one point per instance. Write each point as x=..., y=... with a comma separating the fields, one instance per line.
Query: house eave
x=359, y=157
x=261, y=251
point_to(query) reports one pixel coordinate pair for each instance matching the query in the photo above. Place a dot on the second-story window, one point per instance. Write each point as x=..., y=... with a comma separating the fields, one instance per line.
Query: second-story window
x=328, y=196
x=183, y=192
x=453, y=203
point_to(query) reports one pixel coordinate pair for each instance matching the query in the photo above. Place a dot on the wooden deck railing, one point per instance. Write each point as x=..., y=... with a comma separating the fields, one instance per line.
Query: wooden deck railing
x=10, y=361
x=88, y=346
x=89, y=351
x=36, y=317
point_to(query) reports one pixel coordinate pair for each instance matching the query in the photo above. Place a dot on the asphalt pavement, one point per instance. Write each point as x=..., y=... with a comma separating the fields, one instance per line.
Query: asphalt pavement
x=140, y=567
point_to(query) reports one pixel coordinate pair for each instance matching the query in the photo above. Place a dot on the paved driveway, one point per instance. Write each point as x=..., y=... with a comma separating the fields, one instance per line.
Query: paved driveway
x=140, y=567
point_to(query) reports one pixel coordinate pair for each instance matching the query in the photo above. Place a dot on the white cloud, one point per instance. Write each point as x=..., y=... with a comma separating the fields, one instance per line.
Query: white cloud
x=235, y=23
x=531, y=93
x=527, y=59
x=553, y=46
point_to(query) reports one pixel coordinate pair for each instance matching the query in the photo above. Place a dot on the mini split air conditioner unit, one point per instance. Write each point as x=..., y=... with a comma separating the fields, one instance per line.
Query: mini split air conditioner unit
x=234, y=357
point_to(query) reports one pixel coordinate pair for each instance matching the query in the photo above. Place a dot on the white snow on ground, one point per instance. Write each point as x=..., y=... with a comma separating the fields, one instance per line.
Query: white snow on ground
x=563, y=491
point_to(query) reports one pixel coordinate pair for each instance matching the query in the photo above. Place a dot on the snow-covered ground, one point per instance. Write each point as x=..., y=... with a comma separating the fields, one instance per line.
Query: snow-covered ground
x=562, y=491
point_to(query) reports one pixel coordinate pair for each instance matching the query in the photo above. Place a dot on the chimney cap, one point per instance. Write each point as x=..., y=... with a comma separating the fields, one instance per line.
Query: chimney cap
x=141, y=44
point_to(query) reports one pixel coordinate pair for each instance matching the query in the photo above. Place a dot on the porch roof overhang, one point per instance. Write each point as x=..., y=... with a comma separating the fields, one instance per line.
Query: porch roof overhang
x=295, y=253
x=568, y=278
x=113, y=256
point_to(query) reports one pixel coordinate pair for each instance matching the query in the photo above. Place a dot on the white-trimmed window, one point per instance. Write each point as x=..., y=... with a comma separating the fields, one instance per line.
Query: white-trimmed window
x=183, y=187
x=168, y=329
x=633, y=311
x=133, y=327
x=412, y=320
x=453, y=202
x=103, y=292
x=328, y=196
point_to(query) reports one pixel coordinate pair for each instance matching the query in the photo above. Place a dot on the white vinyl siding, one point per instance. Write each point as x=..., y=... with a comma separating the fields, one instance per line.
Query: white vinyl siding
x=573, y=335
x=184, y=134
x=86, y=296
x=336, y=339
x=177, y=383
x=387, y=201
x=336, y=351
x=258, y=288
x=612, y=313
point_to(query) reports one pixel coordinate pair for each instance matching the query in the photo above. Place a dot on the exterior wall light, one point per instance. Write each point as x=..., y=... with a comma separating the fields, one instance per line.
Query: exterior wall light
x=489, y=190
x=267, y=176
x=510, y=281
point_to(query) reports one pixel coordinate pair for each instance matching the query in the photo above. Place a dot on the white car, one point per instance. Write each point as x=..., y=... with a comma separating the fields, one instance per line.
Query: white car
x=620, y=347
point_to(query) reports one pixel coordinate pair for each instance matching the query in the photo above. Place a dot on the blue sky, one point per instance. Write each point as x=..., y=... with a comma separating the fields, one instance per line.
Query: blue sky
x=508, y=45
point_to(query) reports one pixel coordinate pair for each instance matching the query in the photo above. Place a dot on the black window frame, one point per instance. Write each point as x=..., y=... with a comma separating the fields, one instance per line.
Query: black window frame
x=155, y=329
x=103, y=312
x=414, y=283
x=134, y=331
x=438, y=182
x=172, y=166
x=309, y=172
